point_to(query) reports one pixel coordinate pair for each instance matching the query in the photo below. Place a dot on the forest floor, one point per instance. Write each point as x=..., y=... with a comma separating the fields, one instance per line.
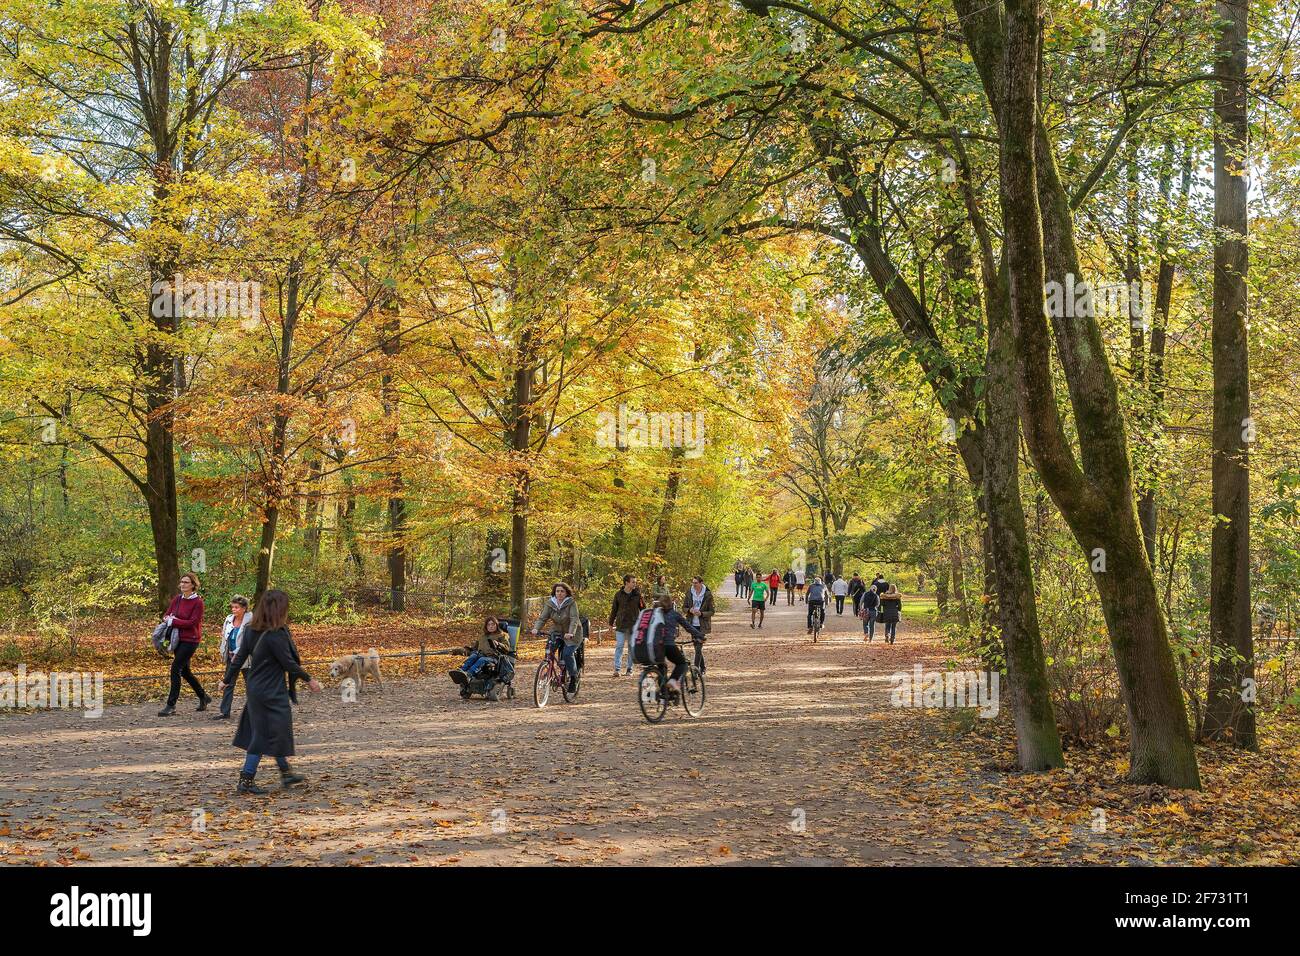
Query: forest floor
x=799, y=759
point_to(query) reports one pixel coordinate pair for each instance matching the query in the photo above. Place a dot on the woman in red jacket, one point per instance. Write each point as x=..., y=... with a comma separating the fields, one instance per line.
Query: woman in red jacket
x=185, y=613
x=774, y=585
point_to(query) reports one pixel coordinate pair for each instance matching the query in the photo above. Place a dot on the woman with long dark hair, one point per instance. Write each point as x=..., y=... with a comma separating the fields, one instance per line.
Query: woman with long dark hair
x=266, y=723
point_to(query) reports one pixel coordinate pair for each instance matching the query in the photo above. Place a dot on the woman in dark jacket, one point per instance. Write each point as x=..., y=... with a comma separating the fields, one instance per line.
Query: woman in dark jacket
x=266, y=723
x=891, y=612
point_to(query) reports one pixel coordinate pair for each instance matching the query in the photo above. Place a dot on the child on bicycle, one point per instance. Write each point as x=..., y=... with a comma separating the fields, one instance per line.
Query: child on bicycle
x=566, y=624
x=663, y=630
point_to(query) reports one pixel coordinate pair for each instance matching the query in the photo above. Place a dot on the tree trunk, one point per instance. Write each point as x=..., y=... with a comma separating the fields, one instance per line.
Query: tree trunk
x=955, y=560
x=313, y=507
x=1038, y=741
x=1099, y=506
x=266, y=551
x=520, y=438
x=159, y=451
x=396, y=552
x=1229, y=705
x=675, y=458
x=1017, y=614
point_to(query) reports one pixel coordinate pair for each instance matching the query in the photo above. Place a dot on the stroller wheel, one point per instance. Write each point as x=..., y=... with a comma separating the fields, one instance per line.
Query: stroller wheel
x=464, y=693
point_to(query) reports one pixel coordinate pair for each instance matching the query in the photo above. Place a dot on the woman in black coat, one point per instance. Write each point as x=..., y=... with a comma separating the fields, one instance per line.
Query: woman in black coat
x=891, y=612
x=266, y=723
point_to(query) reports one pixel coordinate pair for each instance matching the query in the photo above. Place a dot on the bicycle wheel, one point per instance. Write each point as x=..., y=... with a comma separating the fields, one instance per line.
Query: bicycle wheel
x=693, y=692
x=542, y=683
x=653, y=704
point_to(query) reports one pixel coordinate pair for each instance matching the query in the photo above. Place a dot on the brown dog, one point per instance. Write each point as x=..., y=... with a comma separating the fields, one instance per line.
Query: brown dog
x=357, y=667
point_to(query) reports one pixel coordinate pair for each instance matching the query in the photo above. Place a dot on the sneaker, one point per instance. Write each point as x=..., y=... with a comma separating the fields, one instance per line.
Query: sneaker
x=628, y=672
x=458, y=676
x=203, y=702
x=674, y=685
x=221, y=717
x=167, y=711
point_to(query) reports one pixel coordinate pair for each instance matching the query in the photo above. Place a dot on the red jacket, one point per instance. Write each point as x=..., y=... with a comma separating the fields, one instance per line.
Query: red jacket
x=187, y=618
x=774, y=580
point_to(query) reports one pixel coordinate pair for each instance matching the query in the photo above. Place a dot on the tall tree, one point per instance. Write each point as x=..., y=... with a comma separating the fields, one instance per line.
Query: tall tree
x=1229, y=709
x=1097, y=500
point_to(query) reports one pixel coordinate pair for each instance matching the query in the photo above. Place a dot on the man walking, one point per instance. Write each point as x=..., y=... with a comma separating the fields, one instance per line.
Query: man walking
x=856, y=588
x=622, y=618
x=839, y=588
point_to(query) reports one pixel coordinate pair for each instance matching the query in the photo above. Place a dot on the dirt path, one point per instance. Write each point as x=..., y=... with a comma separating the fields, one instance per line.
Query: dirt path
x=798, y=759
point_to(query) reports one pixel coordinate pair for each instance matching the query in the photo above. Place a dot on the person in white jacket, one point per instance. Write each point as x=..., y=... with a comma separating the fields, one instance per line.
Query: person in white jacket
x=840, y=589
x=232, y=634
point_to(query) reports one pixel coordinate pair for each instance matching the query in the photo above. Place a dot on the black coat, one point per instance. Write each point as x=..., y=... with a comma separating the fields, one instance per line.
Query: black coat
x=266, y=723
x=891, y=609
x=626, y=608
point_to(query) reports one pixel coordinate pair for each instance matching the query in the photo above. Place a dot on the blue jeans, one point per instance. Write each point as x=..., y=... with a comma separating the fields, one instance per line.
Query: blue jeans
x=473, y=663
x=621, y=639
x=252, y=760
x=869, y=623
x=891, y=631
x=568, y=654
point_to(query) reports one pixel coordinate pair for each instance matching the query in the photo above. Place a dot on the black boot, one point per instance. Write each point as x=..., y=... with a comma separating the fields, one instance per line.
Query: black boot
x=246, y=784
x=290, y=779
x=203, y=702
x=167, y=711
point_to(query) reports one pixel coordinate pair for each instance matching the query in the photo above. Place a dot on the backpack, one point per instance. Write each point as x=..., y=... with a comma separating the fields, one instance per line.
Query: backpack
x=647, y=646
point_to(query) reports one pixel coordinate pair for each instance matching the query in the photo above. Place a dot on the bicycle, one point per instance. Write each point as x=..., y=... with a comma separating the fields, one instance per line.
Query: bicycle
x=818, y=613
x=551, y=672
x=654, y=694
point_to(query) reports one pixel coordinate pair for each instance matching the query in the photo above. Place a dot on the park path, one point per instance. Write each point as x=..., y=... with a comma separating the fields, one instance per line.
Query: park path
x=797, y=759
